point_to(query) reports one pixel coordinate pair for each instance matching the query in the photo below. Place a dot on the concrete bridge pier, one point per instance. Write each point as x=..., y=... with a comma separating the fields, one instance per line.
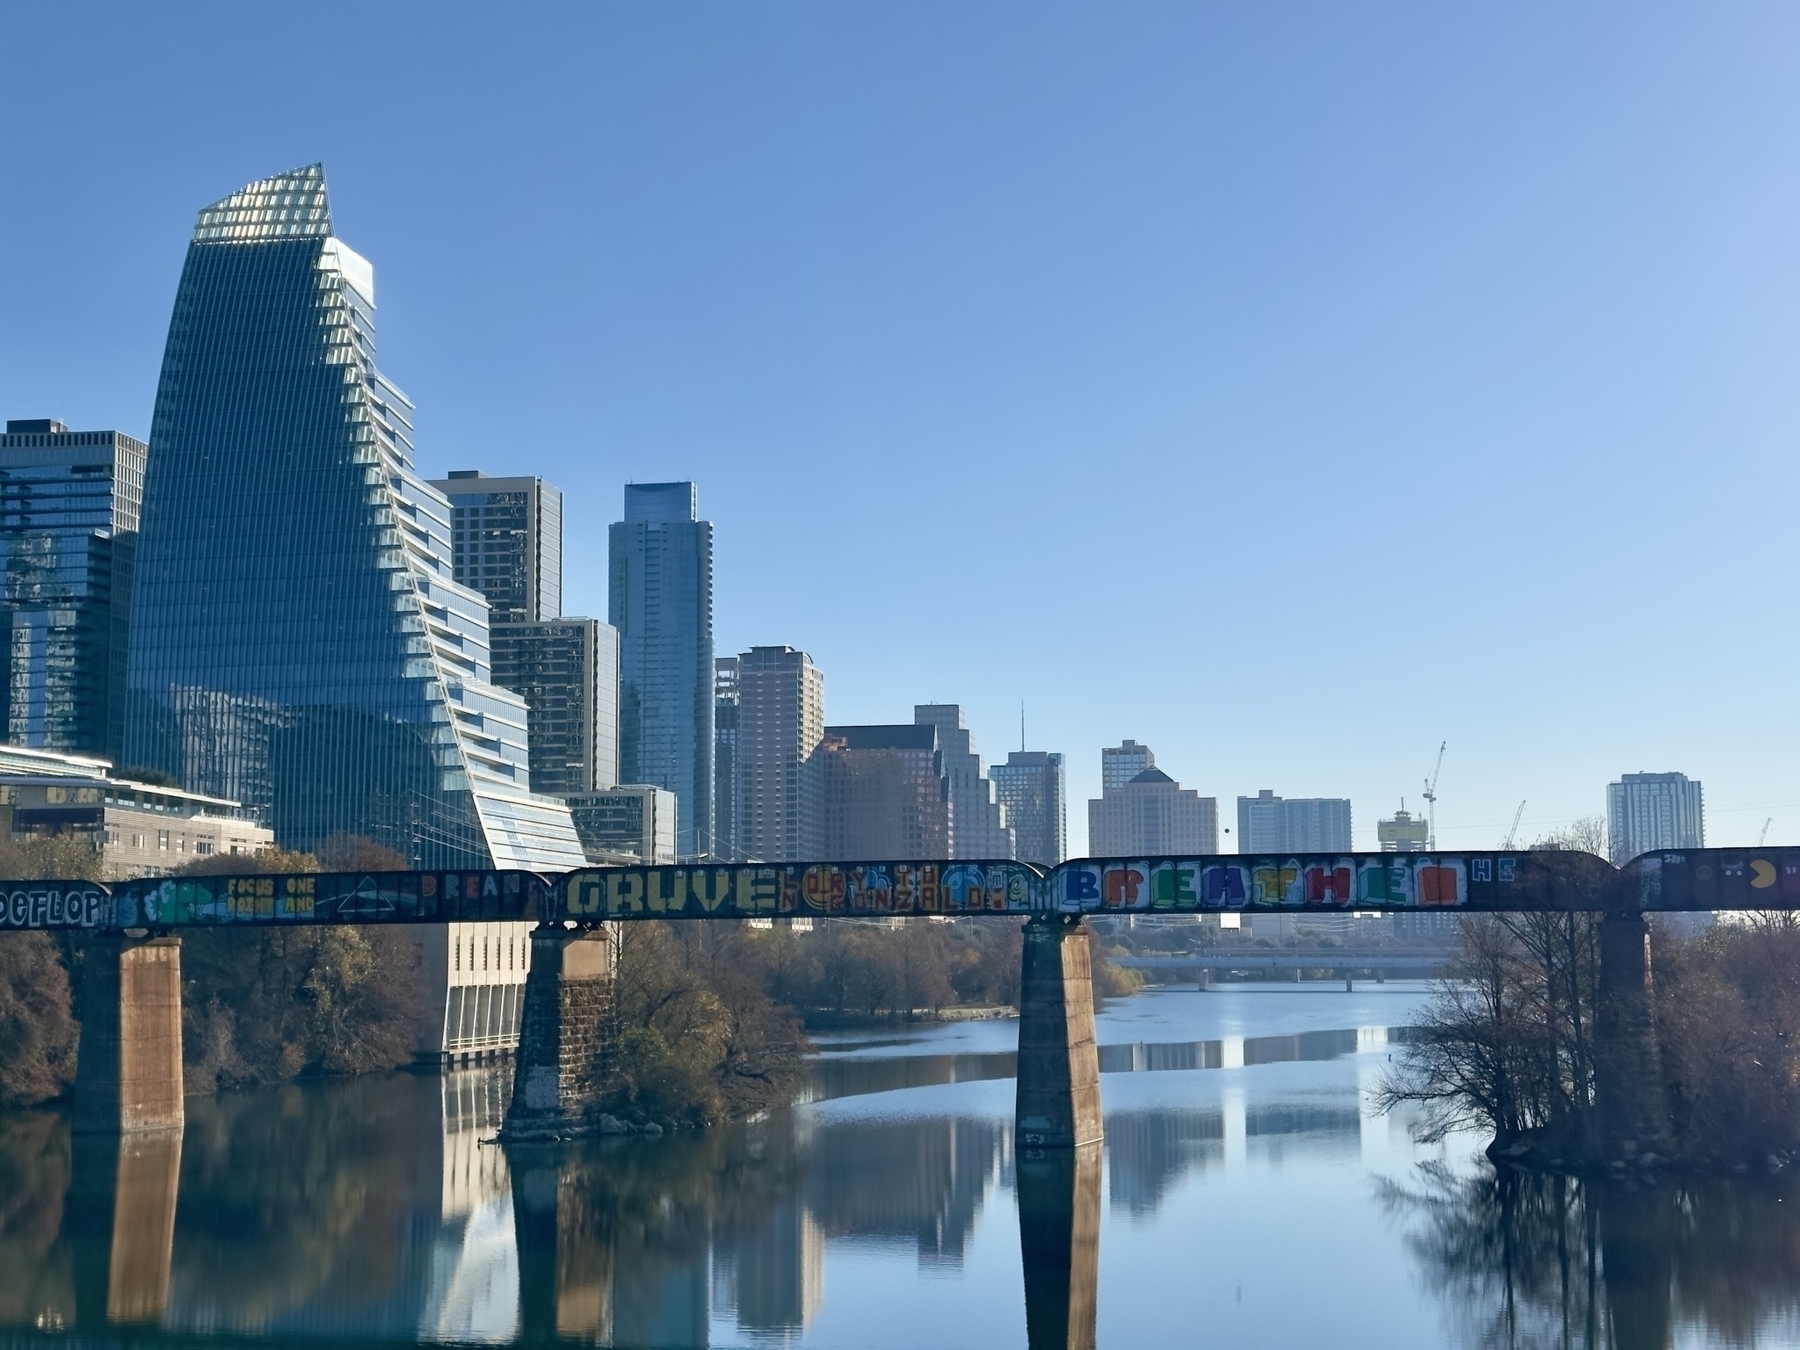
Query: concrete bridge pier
x=1059, y=1240
x=1628, y=1085
x=563, y=1033
x=128, y=1076
x=1058, y=1103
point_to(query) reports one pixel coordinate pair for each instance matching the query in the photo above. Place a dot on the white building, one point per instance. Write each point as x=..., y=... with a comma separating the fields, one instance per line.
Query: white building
x=1650, y=811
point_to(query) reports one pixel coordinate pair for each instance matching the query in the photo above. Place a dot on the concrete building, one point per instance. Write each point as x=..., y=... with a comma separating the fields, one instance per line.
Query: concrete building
x=634, y=822
x=660, y=600
x=139, y=829
x=507, y=543
x=1031, y=787
x=885, y=794
x=1121, y=763
x=1271, y=824
x=1150, y=815
x=982, y=830
x=780, y=792
x=567, y=671
x=69, y=504
x=1404, y=833
x=1646, y=812
x=507, y=536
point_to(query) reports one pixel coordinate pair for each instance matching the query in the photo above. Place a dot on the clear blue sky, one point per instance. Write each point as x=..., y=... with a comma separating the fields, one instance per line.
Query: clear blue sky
x=1287, y=386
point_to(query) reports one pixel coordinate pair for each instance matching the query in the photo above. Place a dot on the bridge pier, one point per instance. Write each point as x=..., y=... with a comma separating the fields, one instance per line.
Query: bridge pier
x=1058, y=1103
x=128, y=1075
x=561, y=1064
x=1628, y=1084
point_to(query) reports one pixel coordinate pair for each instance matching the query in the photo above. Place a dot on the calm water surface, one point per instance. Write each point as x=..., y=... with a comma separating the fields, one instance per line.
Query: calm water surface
x=1246, y=1195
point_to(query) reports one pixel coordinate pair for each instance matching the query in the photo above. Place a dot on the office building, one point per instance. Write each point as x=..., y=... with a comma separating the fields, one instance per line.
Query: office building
x=506, y=538
x=297, y=640
x=1271, y=824
x=634, y=822
x=885, y=794
x=660, y=600
x=139, y=829
x=1404, y=833
x=567, y=671
x=1121, y=763
x=1030, y=786
x=1152, y=815
x=779, y=792
x=69, y=504
x=981, y=826
x=725, y=741
x=1646, y=812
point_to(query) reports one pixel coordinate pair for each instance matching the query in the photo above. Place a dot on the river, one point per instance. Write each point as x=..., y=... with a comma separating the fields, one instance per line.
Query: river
x=1247, y=1195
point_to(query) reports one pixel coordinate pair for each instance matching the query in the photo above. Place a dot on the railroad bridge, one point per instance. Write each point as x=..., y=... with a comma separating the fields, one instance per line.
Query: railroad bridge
x=129, y=1003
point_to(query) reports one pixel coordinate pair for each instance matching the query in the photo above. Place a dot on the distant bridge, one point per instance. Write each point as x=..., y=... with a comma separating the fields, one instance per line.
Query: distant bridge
x=1398, y=963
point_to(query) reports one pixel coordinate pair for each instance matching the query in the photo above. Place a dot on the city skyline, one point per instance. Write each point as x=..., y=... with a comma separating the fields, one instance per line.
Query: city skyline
x=1247, y=273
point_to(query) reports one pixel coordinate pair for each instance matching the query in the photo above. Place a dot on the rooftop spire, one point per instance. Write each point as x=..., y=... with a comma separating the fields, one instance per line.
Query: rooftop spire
x=291, y=205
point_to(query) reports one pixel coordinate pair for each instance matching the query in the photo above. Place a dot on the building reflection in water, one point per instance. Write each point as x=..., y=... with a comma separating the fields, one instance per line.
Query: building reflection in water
x=371, y=1209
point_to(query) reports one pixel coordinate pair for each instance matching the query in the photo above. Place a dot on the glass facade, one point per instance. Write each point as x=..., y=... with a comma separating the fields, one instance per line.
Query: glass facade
x=660, y=600
x=1030, y=785
x=68, y=534
x=298, y=640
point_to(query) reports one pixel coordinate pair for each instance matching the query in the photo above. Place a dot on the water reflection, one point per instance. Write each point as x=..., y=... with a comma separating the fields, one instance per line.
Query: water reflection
x=372, y=1209
x=1524, y=1260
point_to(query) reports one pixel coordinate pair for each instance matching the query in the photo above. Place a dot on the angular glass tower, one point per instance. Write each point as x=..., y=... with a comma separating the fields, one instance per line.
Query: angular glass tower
x=298, y=641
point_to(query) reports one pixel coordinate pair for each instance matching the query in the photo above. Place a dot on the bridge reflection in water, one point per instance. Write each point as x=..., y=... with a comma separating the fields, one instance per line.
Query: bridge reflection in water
x=372, y=1210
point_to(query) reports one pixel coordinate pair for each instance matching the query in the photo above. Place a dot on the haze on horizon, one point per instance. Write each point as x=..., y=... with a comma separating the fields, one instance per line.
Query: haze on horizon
x=1287, y=388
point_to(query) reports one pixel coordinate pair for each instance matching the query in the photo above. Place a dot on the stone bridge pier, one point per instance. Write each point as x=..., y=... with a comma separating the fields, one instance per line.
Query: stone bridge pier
x=1058, y=1103
x=563, y=1034
x=128, y=1001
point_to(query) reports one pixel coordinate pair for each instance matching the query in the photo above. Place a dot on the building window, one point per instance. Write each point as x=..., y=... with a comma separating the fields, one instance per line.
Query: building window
x=203, y=846
x=162, y=840
x=458, y=954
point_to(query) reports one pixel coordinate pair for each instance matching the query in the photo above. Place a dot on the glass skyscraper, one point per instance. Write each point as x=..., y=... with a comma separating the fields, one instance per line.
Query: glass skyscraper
x=660, y=600
x=298, y=640
x=68, y=530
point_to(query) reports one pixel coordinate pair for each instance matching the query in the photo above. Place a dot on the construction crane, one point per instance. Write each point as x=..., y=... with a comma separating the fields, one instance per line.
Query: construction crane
x=1431, y=799
x=1765, y=831
x=1513, y=832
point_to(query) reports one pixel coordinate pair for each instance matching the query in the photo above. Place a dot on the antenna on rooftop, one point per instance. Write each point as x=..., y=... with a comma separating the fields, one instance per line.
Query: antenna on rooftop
x=1021, y=726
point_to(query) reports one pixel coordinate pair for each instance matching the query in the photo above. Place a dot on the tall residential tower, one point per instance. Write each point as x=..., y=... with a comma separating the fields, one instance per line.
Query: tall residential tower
x=507, y=544
x=660, y=600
